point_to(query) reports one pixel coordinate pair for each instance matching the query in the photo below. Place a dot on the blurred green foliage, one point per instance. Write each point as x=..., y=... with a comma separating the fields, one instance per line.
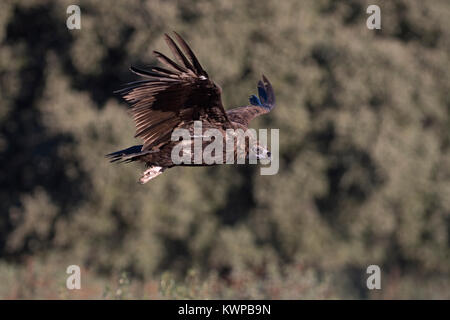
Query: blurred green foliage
x=364, y=119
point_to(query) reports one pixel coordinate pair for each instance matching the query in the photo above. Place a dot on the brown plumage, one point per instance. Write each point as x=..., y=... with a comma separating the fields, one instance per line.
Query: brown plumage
x=176, y=96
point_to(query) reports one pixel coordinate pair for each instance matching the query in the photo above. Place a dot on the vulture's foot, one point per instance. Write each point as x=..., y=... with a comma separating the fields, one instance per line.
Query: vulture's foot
x=151, y=173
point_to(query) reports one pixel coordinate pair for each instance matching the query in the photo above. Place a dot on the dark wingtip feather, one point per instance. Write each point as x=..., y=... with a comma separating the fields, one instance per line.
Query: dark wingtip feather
x=262, y=92
x=196, y=64
x=169, y=62
x=145, y=73
x=270, y=95
x=254, y=100
x=178, y=54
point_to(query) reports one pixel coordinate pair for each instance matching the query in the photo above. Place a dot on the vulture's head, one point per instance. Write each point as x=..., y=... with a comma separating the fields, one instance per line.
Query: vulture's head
x=259, y=152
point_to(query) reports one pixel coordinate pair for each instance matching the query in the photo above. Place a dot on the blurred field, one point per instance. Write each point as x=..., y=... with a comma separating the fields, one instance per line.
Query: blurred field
x=364, y=119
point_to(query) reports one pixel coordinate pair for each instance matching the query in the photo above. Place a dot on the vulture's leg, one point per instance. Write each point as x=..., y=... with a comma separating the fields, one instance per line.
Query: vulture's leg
x=150, y=173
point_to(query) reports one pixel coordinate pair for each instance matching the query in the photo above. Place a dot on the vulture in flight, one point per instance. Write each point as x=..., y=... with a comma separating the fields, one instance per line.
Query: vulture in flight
x=176, y=96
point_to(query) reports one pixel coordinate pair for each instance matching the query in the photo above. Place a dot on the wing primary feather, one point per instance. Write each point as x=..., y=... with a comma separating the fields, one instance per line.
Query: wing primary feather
x=266, y=100
x=147, y=73
x=178, y=54
x=165, y=71
x=168, y=62
x=137, y=82
x=262, y=92
x=254, y=100
x=269, y=91
x=198, y=68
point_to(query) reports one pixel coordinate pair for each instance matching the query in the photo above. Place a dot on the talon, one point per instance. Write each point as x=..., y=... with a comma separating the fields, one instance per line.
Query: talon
x=151, y=173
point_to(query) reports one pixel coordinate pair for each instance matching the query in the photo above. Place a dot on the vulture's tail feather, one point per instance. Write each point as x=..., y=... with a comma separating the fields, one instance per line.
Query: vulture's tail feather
x=127, y=155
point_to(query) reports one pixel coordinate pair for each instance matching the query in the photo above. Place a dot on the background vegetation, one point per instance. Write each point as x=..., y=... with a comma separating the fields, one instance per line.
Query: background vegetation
x=364, y=120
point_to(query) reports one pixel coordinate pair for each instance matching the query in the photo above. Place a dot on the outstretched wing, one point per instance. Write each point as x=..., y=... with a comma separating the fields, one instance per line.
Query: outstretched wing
x=259, y=105
x=170, y=97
